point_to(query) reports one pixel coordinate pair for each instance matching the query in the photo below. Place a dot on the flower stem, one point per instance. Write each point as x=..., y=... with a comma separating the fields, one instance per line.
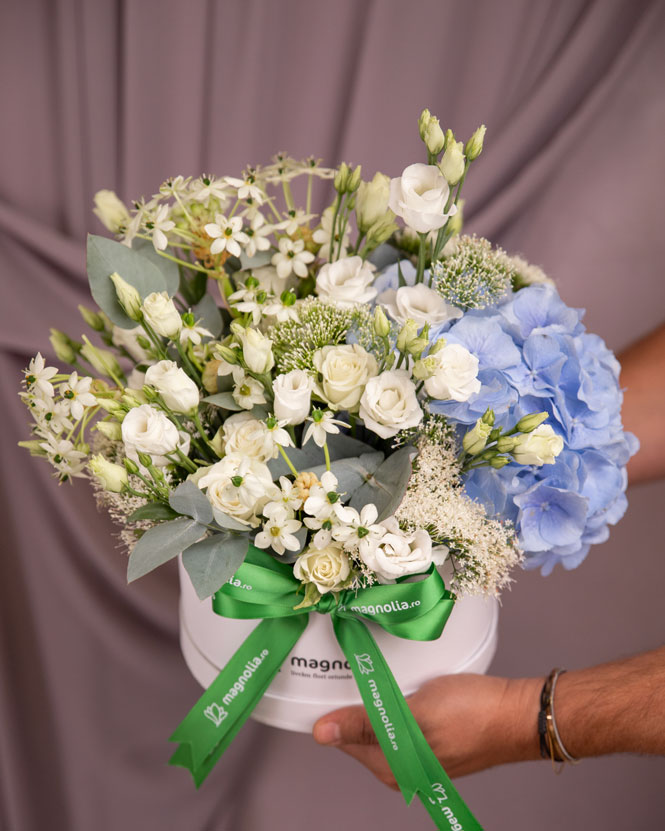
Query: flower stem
x=421, y=258
x=287, y=460
x=326, y=453
x=338, y=205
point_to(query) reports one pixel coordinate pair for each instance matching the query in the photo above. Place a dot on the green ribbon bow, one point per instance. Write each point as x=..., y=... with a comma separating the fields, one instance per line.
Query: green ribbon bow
x=265, y=588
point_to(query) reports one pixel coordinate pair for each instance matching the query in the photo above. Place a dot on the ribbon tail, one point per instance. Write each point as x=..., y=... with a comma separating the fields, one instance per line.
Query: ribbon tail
x=412, y=761
x=225, y=706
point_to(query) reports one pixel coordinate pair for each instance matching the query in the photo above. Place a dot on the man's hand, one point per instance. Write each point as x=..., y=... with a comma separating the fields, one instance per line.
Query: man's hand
x=471, y=722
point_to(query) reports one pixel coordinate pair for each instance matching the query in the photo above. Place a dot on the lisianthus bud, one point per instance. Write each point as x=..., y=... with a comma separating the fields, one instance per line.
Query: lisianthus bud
x=476, y=438
x=474, y=146
x=63, y=346
x=110, y=429
x=437, y=346
x=227, y=354
x=256, y=350
x=381, y=230
x=529, y=422
x=434, y=138
x=128, y=296
x=406, y=334
x=161, y=314
x=425, y=368
x=452, y=163
x=381, y=323
x=417, y=346
x=113, y=408
x=112, y=477
x=488, y=417
x=354, y=180
x=93, y=319
x=102, y=360
x=342, y=178
x=423, y=121
x=540, y=447
x=456, y=220
x=505, y=444
x=131, y=466
x=497, y=462
x=110, y=211
x=372, y=201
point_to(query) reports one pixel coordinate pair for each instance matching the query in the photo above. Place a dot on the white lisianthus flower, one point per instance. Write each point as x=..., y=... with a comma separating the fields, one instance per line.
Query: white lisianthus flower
x=159, y=225
x=389, y=403
x=278, y=532
x=145, y=429
x=322, y=236
x=293, y=396
x=372, y=201
x=397, y=553
x=127, y=339
x=111, y=211
x=344, y=372
x=419, y=196
x=420, y=304
x=455, y=374
x=540, y=447
x=161, y=314
x=327, y=568
x=346, y=282
x=322, y=424
x=240, y=487
x=247, y=391
x=256, y=349
x=179, y=392
x=112, y=477
x=227, y=235
x=291, y=257
x=246, y=435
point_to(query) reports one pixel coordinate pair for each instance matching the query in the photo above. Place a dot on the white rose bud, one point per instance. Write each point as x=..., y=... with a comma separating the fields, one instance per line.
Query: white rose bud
x=146, y=429
x=111, y=211
x=127, y=295
x=293, y=396
x=161, y=314
x=372, y=201
x=346, y=282
x=389, y=403
x=179, y=392
x=246, y=435
x=397, y=553
x=455, y=376
x=540, y=447
x=112, y=477
x=256, y=350
x=419, y=196
x=327, y=568
x=453, y=162
x=344, y=371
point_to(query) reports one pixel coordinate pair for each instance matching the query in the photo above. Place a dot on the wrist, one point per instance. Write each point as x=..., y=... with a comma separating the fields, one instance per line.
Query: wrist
x=518, y=717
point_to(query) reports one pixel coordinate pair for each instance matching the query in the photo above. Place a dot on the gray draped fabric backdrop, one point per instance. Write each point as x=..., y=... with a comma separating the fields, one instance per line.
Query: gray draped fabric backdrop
x=123, y=94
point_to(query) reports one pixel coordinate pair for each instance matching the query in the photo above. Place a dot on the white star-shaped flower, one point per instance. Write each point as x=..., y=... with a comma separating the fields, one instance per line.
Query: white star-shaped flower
x=77, y=393
x=279, y=529
x=323, y=423
x=247, y=391
x=291, y=257
x=38, y=377
x=158, y=225
x=227, y=235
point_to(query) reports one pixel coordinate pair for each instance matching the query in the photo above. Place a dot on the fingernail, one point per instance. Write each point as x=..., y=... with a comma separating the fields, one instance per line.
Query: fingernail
x=327, y=733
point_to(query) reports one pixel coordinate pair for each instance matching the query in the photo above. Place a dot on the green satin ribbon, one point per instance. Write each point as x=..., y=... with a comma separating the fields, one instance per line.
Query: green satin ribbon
x=265, y=588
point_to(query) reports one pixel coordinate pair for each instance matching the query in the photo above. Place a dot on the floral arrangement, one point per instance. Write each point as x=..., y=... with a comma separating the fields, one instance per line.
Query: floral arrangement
x=359, y=400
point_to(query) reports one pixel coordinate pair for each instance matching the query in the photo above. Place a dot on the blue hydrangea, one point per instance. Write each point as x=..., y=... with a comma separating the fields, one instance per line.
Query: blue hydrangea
x=535, y=355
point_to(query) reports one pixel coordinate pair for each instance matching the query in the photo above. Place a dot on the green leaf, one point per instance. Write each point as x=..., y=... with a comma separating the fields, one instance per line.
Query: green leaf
x=211, y=562
x=104, y=257
x=341, y=446
x=387, y=485
x=169, y=269
x=188, y=499
x=226, y=521
x=352, y=473
x=161, y=544
x=152, y=510
x=207, y=313
x=193, y=288
x=304, y=458
x=224, y=400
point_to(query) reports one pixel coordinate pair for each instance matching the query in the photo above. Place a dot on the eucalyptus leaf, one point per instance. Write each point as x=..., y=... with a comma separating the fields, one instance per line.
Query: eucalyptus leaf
x=341, y=446
x=207, y=313
x=106, y=256
x=161, y=544
x=152, y=510
x=211, y=562
x=384, y=255
x=304, y=458
x=226, y=521
x=387, y=485
x=352, y=473
x=188, y=499
x=224, y=400
x=168, y=268
x=259, y=259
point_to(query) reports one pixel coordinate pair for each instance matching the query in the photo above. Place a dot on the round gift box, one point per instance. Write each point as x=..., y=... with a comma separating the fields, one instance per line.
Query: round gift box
x=315, y=677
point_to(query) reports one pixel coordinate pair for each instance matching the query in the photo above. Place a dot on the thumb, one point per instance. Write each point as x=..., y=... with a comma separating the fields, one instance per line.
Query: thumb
x=349, y=725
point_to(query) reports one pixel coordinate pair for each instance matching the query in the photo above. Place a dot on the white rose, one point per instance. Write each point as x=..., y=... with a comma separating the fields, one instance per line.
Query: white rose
x=397, y=554
x=293, y=396
x=328, y=568
x=256, y=350
x=455, y=375
x=389, y=403
x=419, y=303
x=128, y=339
x=111, y=212
x=146, y=429
x=540, y=447
x=344, y=370
x=239, y=486
x=161, y=314
x=346, y=282
x=372, y=201
x=179, y=392
x=419, y=196
x=246, y=435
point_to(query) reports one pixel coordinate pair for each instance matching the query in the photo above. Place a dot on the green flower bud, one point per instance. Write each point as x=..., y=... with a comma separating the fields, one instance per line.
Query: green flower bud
x=476, y=438
x=128, y=297
x=288, y=298
x=417, y=346
x=474, y=146
x=354, y=180
x=112, y=477
x=390, y=360
x=251, y=282
x=227, y=354
x=93, y=320
x=113, y=407
x=102, y=360
x=134, y=398
x=342, y=178
x=437, y=346
x=456, y=221
x=372, y=202
x=433, y=138
x=506, y=444
x=143, y=341
x=131, y=466
x=529, y=422
x=423, y=121
x=381, y=323
x=64, y=347
x=452, y=164
x=110, y=429
x=488, y=417
x=406, y=334
x=34, y=446
x=381, y=230
x=499, y=461
x=425, y=368
x=145, y=459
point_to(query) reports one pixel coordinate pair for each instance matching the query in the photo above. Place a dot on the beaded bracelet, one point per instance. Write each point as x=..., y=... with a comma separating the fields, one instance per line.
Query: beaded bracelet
x=551, y=746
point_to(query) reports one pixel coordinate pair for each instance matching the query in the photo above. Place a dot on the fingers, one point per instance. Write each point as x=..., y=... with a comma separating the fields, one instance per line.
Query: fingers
x=350, y=725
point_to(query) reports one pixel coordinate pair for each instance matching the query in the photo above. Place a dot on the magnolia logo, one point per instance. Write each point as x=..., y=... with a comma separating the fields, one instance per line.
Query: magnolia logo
x=364, y=663
x=215, y=713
